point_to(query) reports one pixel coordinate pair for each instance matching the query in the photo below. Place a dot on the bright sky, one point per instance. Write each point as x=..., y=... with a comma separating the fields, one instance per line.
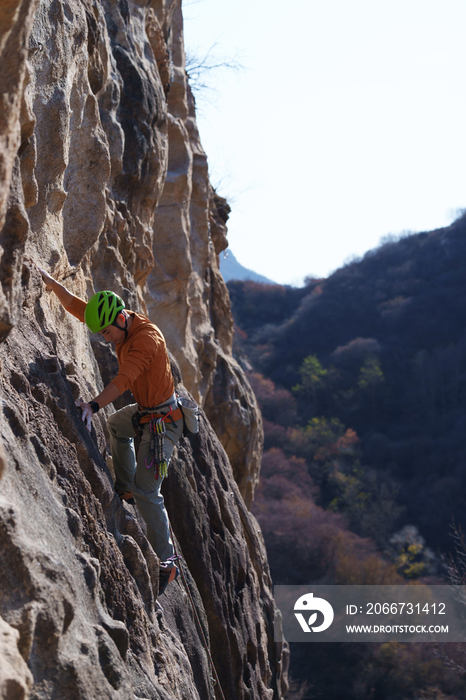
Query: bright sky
x=347, y=123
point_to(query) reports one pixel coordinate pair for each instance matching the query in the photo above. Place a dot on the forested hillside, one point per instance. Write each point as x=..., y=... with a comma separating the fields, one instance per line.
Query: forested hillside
x=379, y=347
x=361, y=379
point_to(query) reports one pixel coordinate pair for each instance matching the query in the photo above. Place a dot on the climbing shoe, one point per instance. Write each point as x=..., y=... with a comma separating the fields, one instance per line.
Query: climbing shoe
x=168, y=571
x=126, y=496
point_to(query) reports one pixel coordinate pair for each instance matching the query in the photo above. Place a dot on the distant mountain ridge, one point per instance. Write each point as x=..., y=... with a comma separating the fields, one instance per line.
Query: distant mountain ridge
x=231, y=269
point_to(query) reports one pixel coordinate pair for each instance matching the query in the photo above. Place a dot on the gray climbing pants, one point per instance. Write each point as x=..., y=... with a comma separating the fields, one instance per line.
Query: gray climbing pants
x=134, y=476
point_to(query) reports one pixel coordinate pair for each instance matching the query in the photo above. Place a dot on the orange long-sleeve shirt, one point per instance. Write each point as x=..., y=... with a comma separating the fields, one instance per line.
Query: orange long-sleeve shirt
x=143, y=359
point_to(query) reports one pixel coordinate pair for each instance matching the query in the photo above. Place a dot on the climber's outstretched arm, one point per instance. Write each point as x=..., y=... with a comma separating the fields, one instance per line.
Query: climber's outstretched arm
x=111, y=391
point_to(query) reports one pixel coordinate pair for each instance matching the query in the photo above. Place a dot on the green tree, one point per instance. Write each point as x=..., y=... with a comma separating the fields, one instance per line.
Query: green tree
x=409, y=553
x=313, y=377
x=371, y=380
x=370, y=374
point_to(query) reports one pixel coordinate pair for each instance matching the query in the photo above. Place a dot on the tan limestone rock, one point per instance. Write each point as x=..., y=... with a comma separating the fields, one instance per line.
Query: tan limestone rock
x=104, y=182
x=15, y=677
x=16, y=18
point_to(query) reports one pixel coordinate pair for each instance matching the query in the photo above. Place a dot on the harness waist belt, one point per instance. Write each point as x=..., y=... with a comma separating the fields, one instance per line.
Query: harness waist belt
x=158, y=409
x=174, y=415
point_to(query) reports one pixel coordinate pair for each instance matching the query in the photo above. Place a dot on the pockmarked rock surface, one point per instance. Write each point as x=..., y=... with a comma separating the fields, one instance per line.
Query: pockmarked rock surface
x=105, y=184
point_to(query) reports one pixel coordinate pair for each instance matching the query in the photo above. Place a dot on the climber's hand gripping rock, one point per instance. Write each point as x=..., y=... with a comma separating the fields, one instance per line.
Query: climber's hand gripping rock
x=86, y=413
x=48, y=280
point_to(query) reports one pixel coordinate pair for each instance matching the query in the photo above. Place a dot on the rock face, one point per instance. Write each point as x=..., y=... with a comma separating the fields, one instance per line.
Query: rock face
x=105, y=183
x=188, y=297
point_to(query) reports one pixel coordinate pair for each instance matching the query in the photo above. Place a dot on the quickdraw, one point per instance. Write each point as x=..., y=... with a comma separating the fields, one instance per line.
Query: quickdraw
x=156, y=458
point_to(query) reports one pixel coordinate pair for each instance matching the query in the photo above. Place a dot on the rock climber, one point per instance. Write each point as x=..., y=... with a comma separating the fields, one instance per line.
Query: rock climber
x=144, y=367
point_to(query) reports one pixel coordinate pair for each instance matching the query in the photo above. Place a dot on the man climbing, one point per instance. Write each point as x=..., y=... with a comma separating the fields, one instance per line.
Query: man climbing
x=144, y=367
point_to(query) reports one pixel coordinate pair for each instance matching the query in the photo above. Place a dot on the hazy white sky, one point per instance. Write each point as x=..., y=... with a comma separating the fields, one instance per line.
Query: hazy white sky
x=347, y=123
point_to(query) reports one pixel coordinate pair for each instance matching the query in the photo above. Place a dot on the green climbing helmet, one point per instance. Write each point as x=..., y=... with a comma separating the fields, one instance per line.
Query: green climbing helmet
x=102, y=309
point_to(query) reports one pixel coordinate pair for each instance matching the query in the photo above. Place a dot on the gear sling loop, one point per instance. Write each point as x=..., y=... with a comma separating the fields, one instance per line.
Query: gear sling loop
x=156, y=458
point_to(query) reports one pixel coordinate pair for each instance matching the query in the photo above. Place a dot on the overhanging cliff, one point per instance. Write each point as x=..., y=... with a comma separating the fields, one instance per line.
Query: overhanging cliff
x=105, y=183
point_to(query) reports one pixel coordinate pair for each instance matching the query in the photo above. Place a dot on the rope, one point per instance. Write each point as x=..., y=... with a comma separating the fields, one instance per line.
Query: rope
x=197, y=619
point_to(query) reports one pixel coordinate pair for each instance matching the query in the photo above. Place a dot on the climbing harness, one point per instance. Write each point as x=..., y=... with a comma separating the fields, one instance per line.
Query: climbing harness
x=156, y=458
x=178, y=557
